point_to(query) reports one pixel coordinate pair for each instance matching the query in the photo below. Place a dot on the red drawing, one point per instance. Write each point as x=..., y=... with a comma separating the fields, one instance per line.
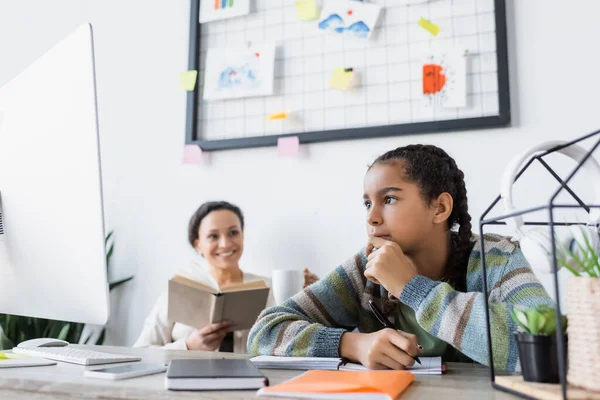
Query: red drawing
x=434, y=78
x=257, y=54
x=350, y=12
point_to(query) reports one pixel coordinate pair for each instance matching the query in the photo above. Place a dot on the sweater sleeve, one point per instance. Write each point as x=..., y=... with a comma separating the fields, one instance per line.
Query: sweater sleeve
x=459, y=318
x=311, y=323
x=157, y=328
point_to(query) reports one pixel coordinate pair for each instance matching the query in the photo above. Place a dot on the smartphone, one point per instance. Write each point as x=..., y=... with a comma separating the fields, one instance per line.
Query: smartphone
x=125, y=371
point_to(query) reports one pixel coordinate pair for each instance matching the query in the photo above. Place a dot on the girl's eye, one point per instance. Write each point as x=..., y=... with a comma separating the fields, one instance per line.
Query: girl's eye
x=367, y=204
x=390, y=200
x=234, y=233
x=212, y=237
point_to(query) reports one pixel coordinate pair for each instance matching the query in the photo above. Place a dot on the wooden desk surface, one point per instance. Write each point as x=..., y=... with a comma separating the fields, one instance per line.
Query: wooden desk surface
x=66, y=381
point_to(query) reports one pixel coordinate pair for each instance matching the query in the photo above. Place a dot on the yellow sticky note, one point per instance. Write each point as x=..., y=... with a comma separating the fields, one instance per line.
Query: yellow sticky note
x=342, y=79
x=307, y=10
x=429, y=26
x=187, y=80
x=273, y=117
x=3, y=356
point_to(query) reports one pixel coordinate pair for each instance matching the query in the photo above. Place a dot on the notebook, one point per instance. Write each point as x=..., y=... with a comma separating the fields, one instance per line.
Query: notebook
x=12, y=360
x=217, y=374
x=430, y=365
x=376, y=385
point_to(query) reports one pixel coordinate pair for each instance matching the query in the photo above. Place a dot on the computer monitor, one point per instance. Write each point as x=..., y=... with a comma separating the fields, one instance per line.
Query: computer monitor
x=52, y=254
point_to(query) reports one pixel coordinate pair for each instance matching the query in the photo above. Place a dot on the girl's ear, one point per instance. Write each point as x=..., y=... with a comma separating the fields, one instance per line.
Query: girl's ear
x=443, y=208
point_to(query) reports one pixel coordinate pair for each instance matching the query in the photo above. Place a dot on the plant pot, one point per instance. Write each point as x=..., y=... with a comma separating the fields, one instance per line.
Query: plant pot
x=539, y=358
x=583, y=305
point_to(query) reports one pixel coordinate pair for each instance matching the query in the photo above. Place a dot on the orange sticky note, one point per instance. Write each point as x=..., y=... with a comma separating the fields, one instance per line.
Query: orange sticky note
x=288, y=146
x=275, y=116
x=187, y=80
x=429, y=26
x=192, y=154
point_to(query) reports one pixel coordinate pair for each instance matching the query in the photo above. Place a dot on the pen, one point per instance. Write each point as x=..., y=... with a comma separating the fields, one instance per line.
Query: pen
x=386, y=323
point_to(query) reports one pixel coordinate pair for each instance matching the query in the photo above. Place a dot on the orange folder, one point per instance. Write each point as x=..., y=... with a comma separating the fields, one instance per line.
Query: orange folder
x=316, y=384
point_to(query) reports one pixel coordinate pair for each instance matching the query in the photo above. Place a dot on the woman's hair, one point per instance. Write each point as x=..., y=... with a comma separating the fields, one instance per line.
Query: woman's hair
x=206, y=209
x=435, y=172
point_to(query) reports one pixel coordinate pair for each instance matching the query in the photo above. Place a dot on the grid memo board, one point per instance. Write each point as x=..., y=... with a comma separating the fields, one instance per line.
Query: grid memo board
x=389, y=98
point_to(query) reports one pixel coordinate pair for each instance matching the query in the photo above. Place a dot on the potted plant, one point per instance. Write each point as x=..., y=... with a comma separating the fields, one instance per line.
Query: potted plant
x=583, y=308
x=536, y=340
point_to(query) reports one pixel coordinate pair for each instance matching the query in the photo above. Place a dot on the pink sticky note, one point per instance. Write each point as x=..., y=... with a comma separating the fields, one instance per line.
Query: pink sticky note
x=192, y=154
x=288, y=146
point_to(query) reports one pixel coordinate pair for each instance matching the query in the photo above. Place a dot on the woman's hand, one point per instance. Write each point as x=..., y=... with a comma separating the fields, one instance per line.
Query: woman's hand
x=388, y=266
x=208, y=338
x=384, y=349
x=309, y=277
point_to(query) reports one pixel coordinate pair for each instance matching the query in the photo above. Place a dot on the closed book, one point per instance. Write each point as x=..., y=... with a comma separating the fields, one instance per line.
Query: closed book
x=218, y=374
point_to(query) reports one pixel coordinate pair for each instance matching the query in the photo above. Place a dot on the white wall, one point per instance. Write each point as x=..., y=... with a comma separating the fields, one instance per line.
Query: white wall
x=300, y=212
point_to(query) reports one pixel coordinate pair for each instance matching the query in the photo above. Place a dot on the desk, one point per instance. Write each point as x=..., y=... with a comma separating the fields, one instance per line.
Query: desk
x=65, y=381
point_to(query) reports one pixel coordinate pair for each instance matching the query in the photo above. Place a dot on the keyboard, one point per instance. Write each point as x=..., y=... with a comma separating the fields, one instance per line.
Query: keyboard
x=75, y=356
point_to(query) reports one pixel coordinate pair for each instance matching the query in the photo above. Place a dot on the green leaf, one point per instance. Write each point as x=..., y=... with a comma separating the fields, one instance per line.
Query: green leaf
x=108, y=237
x=64, y=332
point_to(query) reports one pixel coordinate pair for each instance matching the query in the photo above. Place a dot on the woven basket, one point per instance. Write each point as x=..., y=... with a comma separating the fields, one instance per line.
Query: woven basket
x=583, y=305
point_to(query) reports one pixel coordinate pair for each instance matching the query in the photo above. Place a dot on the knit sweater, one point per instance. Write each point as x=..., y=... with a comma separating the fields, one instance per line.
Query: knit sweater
x=311, y=323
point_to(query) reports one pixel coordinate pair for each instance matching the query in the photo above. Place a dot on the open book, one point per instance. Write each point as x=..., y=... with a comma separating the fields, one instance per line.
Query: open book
x=198, y=304
x=430, y=365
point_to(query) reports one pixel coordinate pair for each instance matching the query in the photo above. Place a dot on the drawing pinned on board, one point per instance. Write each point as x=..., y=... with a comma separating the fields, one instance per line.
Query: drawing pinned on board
x=307, y=10
x=343, y=78
x=212, y=10
x=349, y=18
x=411, y=2
x=239, y=72
x=445, y=79
x=187, y=80
x=429, y=26
x=192, y=154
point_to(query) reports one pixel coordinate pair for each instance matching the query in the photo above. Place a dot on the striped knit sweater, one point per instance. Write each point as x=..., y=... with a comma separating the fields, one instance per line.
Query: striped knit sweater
x=311, y=323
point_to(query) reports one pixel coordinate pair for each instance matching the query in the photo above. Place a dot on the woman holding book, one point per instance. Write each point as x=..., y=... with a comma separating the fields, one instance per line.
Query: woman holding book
x=216, y=231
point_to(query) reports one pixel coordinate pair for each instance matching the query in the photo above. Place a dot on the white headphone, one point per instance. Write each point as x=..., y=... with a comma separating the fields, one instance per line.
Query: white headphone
x=536, y=243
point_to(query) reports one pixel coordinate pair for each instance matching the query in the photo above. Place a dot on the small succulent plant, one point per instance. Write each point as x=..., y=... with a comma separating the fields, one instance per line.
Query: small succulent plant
x=540, y=320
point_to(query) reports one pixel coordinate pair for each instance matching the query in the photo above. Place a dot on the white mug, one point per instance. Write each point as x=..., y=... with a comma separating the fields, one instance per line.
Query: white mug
x=286, y=283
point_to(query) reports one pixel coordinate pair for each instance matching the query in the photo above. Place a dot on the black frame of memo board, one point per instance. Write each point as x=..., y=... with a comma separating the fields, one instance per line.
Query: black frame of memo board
x=500, y=120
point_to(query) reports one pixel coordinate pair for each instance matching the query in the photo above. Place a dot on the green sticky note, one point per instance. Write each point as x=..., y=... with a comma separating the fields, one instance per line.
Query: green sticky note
x=187, y=80
x=429, y=26
x=307, y=10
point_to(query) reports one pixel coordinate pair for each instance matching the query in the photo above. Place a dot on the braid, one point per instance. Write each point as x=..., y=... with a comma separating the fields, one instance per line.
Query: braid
x=435, y=172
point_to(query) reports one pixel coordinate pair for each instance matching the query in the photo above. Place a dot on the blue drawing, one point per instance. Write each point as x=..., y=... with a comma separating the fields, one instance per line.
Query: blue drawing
x=335, y=23
x=237, y=78
x=359, y=29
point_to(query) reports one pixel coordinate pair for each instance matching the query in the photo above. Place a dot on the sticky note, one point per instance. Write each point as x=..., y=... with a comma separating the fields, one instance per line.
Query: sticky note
x=307, y=10
x=3, y=356
x=429, y=26
x=288, y=146
x=187, y=80
x=342, y=78
x=273, y=117
x=192, y=154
